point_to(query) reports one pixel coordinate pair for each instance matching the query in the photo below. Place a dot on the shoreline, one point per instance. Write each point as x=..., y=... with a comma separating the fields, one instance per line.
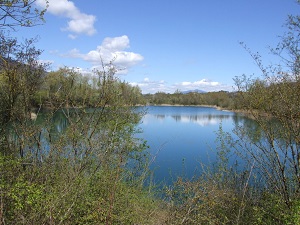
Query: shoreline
x=239, y=111
x=178, y=105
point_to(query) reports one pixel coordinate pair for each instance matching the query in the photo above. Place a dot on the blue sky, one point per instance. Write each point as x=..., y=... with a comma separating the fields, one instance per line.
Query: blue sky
x=163, y=45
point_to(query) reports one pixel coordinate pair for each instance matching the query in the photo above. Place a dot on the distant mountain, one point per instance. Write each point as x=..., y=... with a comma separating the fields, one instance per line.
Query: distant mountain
x=193, y=91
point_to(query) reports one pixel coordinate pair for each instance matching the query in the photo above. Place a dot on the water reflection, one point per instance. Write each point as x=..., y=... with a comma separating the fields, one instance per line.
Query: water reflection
x=181, y=138
x=202, y=120
x=68, y=132
x=60, y=122
x=160, y=117
x=202, y=116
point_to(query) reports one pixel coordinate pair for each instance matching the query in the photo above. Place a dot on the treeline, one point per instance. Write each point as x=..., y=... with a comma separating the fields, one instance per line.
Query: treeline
x=222, y=99
x=27, y=81
x=85, y=89
x=276, y=95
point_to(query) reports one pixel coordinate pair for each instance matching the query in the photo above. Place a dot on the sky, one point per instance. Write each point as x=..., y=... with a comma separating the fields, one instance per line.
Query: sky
x=162, y=45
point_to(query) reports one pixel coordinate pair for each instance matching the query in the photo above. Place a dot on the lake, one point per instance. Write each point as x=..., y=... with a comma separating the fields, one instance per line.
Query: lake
x=181, y=138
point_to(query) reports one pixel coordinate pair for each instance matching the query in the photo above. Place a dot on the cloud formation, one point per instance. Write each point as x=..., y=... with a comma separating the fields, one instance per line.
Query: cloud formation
x=111, y=49
x=148, y=86
x=79, y=23
x=200, y=84
x=152, y=87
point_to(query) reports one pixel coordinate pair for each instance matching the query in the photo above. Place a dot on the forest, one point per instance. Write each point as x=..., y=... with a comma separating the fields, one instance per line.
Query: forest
x=222, y=99
x=93, y=170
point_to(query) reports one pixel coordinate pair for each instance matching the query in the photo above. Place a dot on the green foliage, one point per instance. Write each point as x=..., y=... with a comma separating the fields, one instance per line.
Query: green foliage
x=77, y=161
x=20, y=77
x=68, y=87
x=274, y=105
x=221, y=99
x=53, y=195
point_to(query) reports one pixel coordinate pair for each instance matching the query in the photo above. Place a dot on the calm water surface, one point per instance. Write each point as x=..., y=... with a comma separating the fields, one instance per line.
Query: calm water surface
x=180, y=138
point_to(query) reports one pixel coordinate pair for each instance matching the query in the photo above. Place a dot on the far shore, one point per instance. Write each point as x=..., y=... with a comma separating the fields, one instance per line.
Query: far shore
x=208, y=106
x=240, y=111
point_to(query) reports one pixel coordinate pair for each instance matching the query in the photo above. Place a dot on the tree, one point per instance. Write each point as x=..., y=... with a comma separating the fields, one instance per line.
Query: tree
x=69, y=165
x=20, y=77
x=14, y=13
x=273, y=102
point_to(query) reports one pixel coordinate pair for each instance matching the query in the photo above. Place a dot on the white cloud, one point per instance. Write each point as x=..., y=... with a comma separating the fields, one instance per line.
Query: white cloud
x=115, y=44
x=111, y=49
x=199, y=84
x=203, y=121
x=152, y=87
x=79, y=23
x=72, y=36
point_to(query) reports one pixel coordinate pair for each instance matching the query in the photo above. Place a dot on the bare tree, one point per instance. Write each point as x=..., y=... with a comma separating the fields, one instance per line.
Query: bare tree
x=273, y=102
x=15, y=13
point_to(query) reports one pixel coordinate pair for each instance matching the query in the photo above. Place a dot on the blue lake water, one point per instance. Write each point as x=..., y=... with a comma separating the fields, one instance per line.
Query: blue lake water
x=181, y=138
